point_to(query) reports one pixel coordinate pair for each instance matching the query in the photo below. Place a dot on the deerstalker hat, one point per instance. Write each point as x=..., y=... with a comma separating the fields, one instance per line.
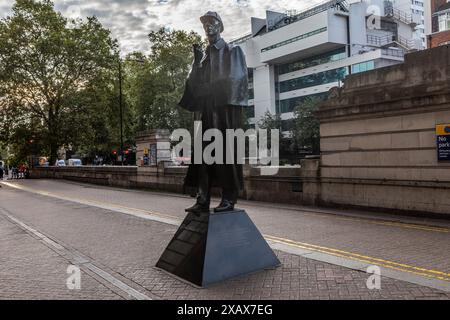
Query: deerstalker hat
x=214, y=15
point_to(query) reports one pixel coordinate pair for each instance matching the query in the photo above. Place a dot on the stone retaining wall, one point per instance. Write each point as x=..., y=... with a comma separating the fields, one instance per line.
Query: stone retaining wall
x=285, y=187
x=378, y=139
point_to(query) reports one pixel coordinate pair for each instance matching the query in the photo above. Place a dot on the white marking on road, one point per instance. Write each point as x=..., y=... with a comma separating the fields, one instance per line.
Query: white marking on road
x=80, y=260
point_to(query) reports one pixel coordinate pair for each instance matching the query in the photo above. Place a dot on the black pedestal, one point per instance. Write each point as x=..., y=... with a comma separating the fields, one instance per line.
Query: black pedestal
x=214, y=247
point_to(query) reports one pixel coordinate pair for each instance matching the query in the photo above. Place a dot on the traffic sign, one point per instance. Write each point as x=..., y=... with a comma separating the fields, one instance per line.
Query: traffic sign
x=443, y=141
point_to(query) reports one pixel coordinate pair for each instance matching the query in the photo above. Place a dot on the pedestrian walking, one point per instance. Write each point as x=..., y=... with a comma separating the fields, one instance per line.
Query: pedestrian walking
x=21, y=171
x=1, y=173
x=14, y=172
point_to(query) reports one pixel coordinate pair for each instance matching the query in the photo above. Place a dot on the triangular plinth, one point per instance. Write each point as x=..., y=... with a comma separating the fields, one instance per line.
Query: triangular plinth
x=214, y=247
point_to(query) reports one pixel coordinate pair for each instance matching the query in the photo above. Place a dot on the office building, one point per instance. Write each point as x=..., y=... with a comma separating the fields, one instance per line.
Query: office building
x=295, y=56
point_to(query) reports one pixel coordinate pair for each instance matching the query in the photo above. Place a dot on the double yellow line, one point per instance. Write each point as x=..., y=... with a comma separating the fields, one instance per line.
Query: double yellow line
x=382, y=223
x=429, y=273
x=436, y=274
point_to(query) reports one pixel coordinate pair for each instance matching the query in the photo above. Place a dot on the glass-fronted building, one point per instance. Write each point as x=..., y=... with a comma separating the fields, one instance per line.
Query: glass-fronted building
x=293, y=58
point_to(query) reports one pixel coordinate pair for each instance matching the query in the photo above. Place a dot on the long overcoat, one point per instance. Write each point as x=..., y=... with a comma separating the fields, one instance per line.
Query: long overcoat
x=217, y=90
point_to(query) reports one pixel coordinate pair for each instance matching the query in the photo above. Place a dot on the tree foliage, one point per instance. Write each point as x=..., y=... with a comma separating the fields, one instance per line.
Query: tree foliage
x=52, y=72
x=59, y=84
x=304, y=131
x=270, y=121
x=155, y=86
x=306, y=128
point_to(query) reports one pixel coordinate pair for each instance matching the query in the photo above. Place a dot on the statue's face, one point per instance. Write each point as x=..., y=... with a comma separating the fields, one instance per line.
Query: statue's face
x=212, y=26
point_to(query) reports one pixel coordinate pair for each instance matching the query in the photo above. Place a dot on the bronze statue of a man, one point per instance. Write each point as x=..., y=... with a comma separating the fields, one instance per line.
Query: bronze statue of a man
x=216, y=90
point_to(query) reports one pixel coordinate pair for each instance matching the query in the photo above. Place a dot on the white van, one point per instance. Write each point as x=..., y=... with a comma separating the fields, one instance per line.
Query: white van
x=75, y=163
x=60, y=163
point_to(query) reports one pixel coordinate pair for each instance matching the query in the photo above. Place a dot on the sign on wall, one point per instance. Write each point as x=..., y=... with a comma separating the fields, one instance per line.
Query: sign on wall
x=145, y=159
x=153, y=155
x=443, y=141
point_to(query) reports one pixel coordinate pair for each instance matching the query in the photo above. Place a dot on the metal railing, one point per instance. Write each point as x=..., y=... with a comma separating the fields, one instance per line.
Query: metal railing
x=379, y=41
x=406, y=43
x=391, y=11
x=341, y=5
x=311, y=11
x=388, y=39
x=393, y=53
x=241, y=39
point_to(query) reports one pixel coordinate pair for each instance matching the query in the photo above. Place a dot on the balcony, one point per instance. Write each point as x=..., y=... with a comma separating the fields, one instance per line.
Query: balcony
x=399, y=15
x=340, y=5
x=383, y=41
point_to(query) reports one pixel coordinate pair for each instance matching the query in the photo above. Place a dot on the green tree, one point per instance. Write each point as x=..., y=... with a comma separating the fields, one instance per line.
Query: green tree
x=99, y=127
x=273, y=121
x=3, y=154
x=155, y=86
x=51, y=69
x=245, y=123
x=270, y=121
x=306, y=128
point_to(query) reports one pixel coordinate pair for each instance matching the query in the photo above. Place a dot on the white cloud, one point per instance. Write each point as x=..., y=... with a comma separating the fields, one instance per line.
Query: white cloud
x=131, y=20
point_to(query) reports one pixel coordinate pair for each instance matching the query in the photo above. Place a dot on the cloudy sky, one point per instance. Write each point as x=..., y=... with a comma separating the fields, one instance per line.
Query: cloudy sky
x=131, y=20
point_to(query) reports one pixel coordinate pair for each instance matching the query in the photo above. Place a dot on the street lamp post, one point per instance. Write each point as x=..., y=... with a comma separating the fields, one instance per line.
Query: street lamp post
x=121, y=111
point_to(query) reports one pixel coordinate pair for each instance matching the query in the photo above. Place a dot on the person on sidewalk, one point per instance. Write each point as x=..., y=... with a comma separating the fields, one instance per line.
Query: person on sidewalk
x=26, y=172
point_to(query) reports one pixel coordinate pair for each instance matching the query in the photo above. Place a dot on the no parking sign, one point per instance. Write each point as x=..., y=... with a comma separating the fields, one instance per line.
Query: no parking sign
x=443, y=141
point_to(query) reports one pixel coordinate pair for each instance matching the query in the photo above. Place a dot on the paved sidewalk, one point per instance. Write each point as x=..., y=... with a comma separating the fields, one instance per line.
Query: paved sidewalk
x=128, y=247
x=30, y=270
x=423, y=246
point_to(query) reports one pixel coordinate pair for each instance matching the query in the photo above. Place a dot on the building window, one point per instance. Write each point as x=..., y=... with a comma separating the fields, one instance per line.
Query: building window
x=314, y=79
x=289, y=105
x=251, y=93
x=363, y=66
x=444, y=22
x=331, y=56
x=249, y=112
x=298, y=38
x=250, y=73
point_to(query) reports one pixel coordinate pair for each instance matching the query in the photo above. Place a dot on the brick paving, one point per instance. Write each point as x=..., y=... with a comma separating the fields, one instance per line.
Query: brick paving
x=130, y=247
x=425, y=249
x=30, y=270
x=298, y=278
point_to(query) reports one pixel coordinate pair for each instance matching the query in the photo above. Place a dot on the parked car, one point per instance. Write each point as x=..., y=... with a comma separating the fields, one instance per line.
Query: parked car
x=75, y=163
x=60, y=163
x=43, y=162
